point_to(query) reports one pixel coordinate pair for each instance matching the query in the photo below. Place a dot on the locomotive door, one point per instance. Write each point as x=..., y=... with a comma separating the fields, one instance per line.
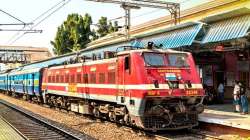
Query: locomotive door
x=123, y=66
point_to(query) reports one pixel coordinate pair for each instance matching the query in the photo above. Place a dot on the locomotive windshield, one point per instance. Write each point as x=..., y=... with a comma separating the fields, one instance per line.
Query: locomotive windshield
x=160, y=59
x=154, y=59
x=177, y=60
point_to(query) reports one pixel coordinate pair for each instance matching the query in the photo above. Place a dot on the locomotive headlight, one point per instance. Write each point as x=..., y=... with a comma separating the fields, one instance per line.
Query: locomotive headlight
x=178, y=76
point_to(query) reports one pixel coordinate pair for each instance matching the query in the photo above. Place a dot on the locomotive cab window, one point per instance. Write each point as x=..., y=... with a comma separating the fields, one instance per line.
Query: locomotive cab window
x=178, y=60
x=154, y=59
x=127, y=64
x=169, y=59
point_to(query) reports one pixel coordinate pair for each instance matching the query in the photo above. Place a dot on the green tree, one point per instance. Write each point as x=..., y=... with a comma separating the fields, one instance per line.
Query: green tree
x=105, y=28
x=73, y=34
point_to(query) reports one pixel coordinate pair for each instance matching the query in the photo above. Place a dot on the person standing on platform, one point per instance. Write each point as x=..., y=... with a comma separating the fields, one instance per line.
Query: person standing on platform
x=243, y=98
x=236, y=95
x=221, y=92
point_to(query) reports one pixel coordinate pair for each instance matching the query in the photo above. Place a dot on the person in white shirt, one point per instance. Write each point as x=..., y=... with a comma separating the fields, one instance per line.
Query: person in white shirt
x=221, y=92
x=236, y=95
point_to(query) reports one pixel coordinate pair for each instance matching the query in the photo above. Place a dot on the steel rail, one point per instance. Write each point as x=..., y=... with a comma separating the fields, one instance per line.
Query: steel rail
x=54, y=128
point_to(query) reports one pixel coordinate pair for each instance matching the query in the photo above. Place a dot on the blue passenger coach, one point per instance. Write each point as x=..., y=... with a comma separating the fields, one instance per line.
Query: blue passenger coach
x=25, y=81
x=3, y=81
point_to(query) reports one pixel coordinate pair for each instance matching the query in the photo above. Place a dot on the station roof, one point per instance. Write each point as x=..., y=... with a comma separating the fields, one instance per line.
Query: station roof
x=22, y=48
x=158, y=29
x=172, y=37
x=228, y=25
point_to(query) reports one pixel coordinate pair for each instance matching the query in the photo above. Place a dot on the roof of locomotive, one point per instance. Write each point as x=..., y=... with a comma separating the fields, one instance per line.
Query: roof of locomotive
x=151, y=50
x=101, y=61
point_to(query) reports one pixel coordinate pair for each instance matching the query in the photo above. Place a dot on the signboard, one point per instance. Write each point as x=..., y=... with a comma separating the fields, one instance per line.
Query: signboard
x=219, y=48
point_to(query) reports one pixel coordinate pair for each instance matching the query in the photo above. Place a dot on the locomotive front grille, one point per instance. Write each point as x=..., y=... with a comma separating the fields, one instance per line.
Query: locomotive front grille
x=179, y=120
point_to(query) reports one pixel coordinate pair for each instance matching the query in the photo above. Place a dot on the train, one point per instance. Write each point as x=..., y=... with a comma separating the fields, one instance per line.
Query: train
x=152, y=89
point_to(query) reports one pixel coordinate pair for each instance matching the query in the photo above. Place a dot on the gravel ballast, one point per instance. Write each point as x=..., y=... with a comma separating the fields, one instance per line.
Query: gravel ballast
x=94, y=128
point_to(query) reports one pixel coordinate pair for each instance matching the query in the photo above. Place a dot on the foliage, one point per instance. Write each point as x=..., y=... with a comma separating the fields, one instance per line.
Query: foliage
x=73, y=34
x=105, y=28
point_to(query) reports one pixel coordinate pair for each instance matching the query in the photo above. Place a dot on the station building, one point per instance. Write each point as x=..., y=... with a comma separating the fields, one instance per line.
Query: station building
x=14, y=56
x=217, y=33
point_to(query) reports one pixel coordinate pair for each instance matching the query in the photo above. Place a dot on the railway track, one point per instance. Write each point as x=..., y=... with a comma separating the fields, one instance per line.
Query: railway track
x=34, y=127
x=185, y=135
x=190, y=134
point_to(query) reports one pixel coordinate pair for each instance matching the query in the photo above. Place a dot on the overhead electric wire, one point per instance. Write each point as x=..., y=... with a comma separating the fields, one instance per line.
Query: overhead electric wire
x=12, y=16
x=47, y=11
x=41, y=15
x=51, y=8
x=154, y=11
x=43, y=19
x=13, y=24
x=20, y=30
x=51, y=13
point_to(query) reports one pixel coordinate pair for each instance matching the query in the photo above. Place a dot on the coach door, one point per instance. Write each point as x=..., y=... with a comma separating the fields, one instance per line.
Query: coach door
x=123, y=71
x=26, y=83
x=32, y=83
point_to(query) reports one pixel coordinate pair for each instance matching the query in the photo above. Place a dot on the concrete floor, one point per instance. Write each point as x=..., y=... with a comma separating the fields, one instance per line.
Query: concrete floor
x=224, y=114
x=7, y=132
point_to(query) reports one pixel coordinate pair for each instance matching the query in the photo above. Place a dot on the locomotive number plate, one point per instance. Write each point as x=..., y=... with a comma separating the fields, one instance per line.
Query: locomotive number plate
x=191, y=92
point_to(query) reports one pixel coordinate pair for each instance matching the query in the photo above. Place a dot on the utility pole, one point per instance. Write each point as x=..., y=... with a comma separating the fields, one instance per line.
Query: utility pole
x=127, y=9
x=127, y=5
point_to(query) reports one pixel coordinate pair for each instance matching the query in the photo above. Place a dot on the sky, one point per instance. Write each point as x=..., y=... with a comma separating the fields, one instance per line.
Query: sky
x=28, y=10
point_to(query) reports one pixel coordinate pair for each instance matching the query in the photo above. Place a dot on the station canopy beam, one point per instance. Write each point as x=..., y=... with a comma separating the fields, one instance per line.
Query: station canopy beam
x=127, y=5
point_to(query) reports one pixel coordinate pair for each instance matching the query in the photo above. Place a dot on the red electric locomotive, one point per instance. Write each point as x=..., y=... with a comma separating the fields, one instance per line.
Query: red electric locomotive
x=150, y=88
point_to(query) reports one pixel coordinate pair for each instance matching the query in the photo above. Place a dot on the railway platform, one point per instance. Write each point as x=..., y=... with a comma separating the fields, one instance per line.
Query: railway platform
x=7, y=132
x=223, y=115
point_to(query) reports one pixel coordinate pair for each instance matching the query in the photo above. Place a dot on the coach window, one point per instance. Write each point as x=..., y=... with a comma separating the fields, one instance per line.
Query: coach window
x=49, y=79
x=61, y=79
x=57, y=78
x=72, y=78
x=66, y=78
x=85, y=78
x=78, y=78
x=111, y=77
x=53, y=79
x=101, y=78
x=93, y=78
x=127, y=64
